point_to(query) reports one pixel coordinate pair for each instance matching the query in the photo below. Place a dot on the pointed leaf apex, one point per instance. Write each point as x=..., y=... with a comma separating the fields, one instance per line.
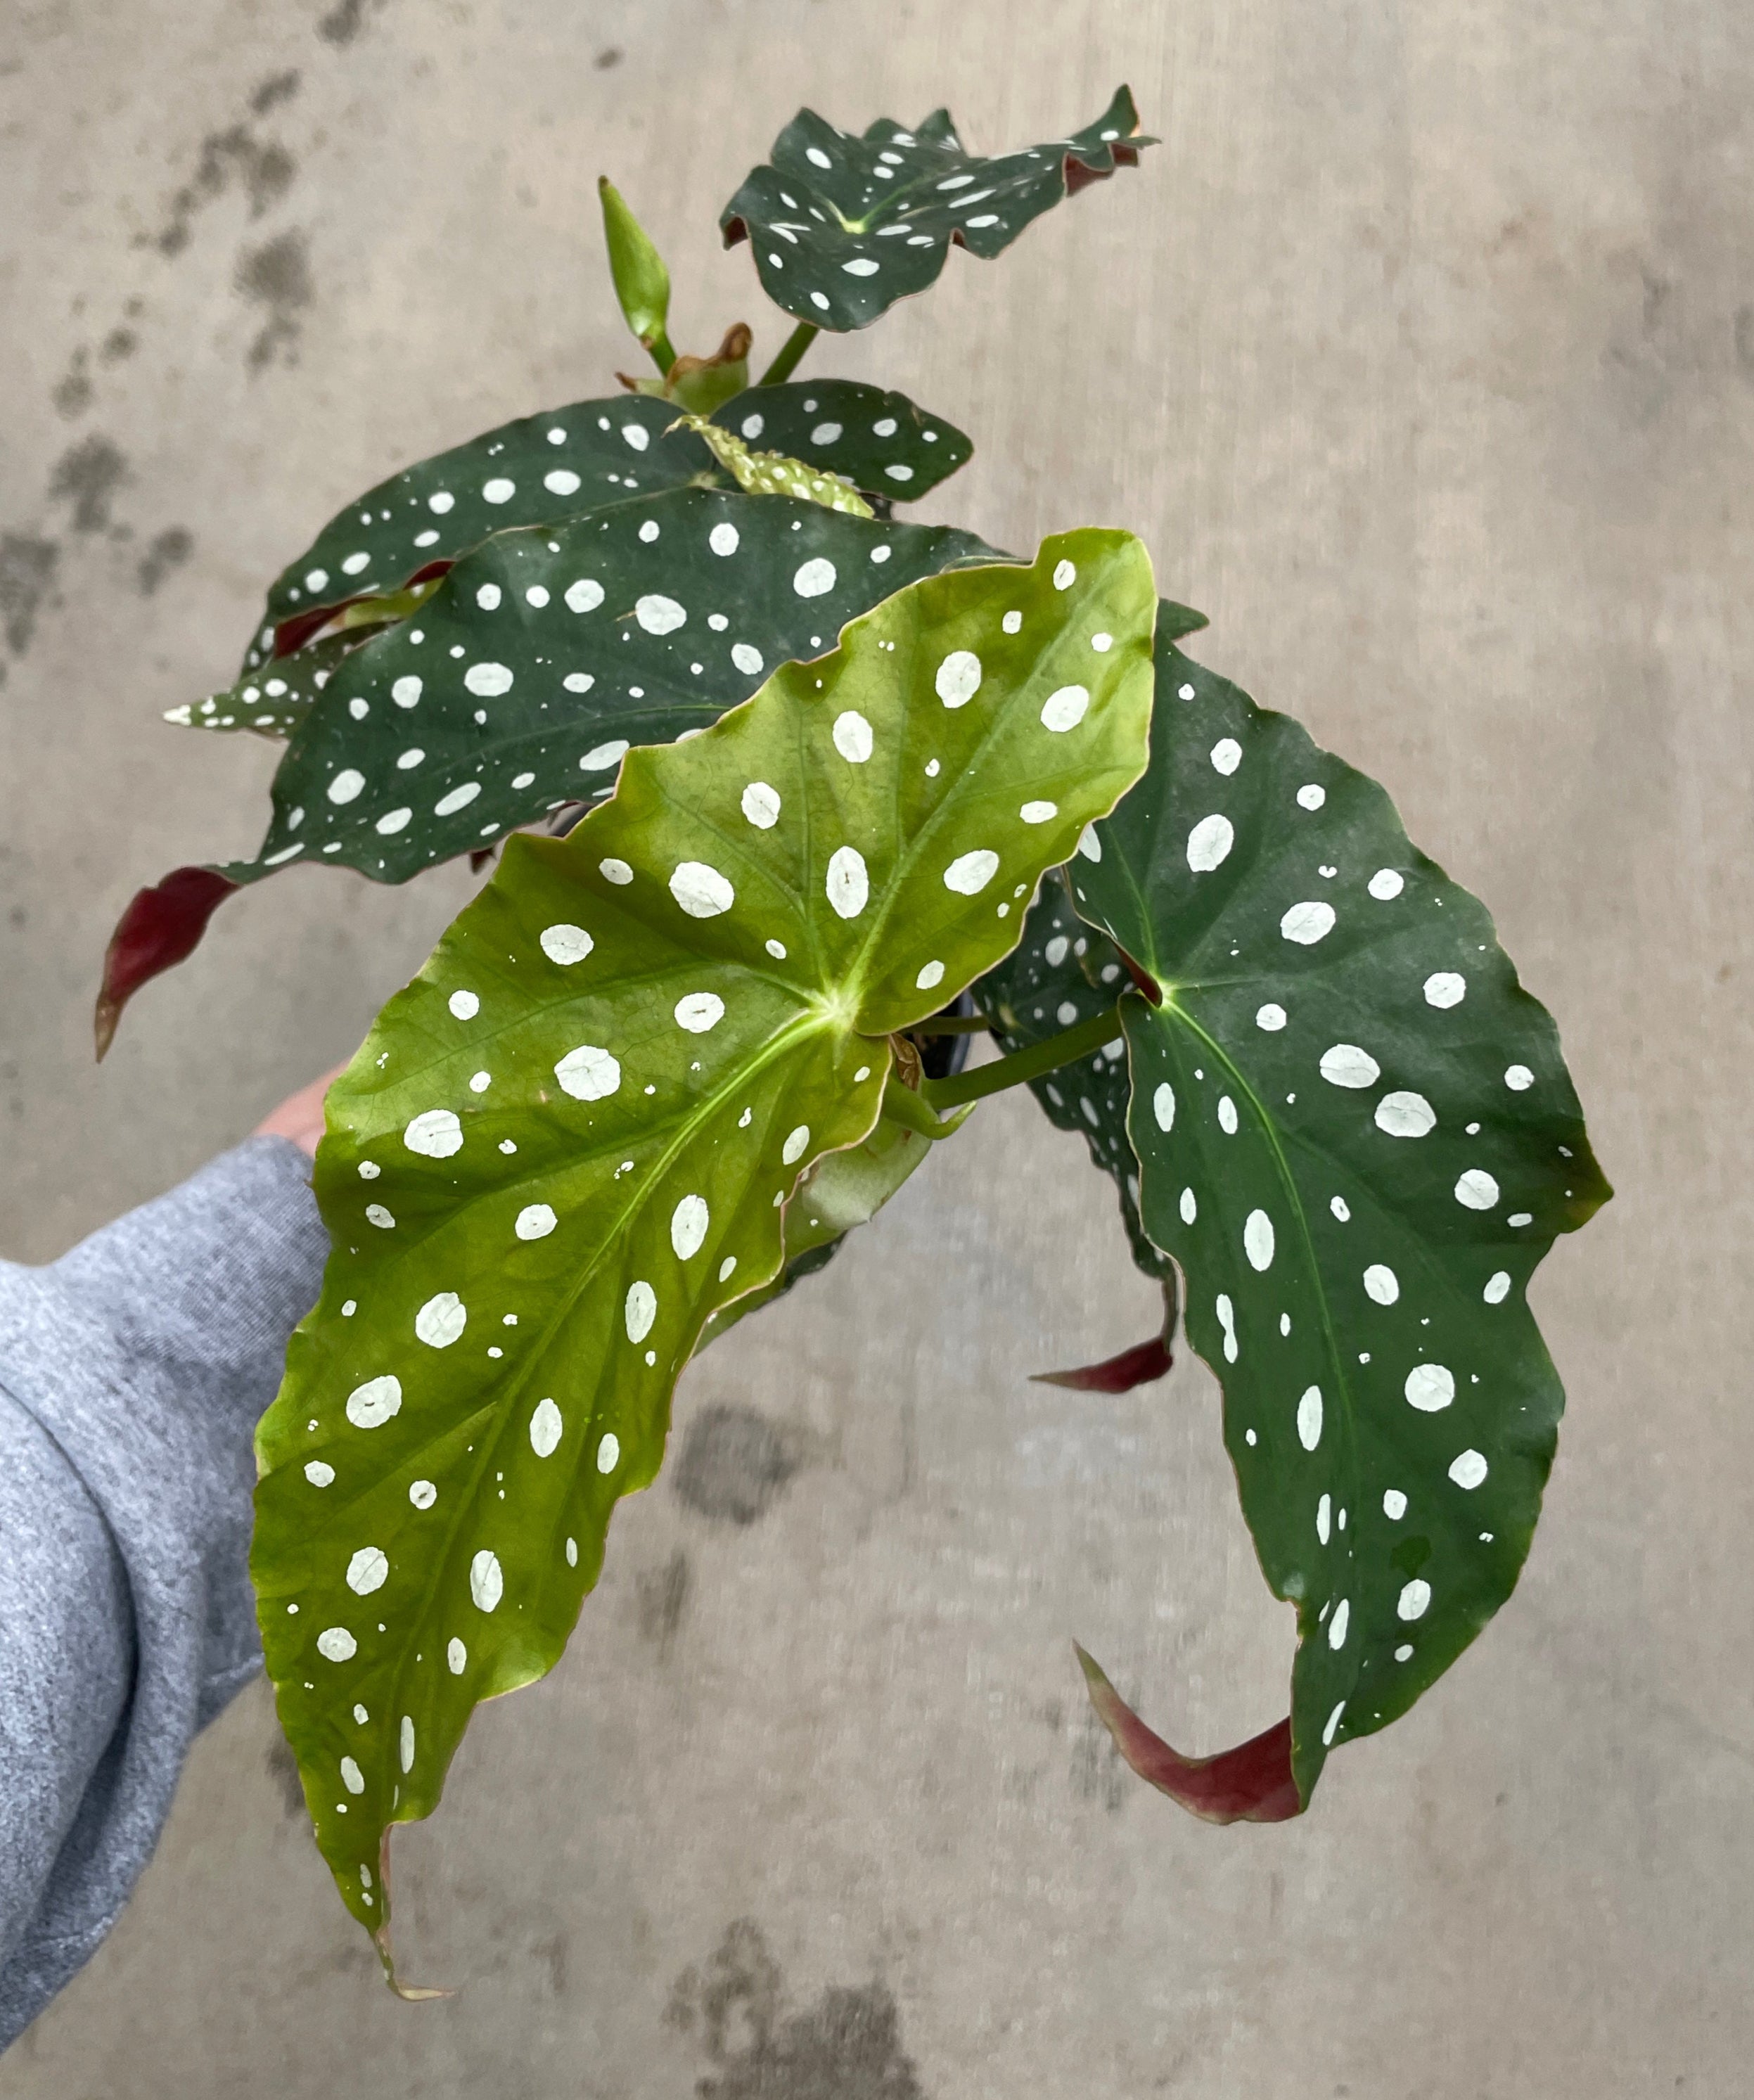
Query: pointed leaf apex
x=1138, y=1365
x=1251, y=1784
x=161, y=926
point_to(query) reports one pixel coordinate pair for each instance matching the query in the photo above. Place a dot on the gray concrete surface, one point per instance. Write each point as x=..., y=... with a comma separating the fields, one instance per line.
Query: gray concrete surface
x=1423, y=354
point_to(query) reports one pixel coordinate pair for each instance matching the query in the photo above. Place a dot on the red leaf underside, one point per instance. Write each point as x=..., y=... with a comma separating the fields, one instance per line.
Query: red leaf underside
x=161, y=926
x=1138, y=1365
x=1251, y=1784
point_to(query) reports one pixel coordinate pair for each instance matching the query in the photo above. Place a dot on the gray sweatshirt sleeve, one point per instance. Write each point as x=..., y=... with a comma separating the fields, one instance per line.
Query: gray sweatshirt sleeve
x=133, y=1372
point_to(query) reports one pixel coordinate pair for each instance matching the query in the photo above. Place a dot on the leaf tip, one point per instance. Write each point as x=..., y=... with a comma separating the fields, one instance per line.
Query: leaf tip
x=1138, y=1365
x=1252, y=1783
x=162, y=926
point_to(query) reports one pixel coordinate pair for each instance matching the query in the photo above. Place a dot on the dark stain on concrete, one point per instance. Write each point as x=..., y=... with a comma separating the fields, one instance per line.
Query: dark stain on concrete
x=73, y=390
x=846, y=2046
x=282, y=1767
x=120, y=343
x=345, y=20
x=734, y=1463
x=236, y=155
x=27, y=576
x=606, y=60
x=277, y=88
x=663, y=1597
x=167, y=550
x=87, y=478
x=276, y=276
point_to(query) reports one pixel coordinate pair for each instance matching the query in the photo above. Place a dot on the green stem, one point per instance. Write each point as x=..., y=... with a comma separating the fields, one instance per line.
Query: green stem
x=951, y=1024
x=662, y=352
x=791, y=350
x=1030, y=1063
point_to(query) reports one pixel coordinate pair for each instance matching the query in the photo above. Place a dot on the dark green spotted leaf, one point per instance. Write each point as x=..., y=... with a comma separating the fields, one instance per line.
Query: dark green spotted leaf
x=878, y=440
x=544, y=653
x=572, y=1140
x=559, y=464
x=842, y=228
x=1357, y=1137
x=1060, y=973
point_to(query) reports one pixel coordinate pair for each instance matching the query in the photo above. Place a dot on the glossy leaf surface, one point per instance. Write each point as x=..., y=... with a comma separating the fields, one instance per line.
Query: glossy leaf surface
x=570, y=1141
x=1358, y=1138
x=879, y=440
x=544, y=654
x=559, y=464
x=842, y=228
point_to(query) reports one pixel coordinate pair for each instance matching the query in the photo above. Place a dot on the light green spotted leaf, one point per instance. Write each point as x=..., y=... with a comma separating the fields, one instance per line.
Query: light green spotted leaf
x=774, y=473
x=842, y=228
x=877, y=439
x=1059, y=975
x=544, y=653
x=571, y=1142
x=1357, y=1137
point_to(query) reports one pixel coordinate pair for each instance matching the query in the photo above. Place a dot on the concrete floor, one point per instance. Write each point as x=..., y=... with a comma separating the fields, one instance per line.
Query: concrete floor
x=1422, y=355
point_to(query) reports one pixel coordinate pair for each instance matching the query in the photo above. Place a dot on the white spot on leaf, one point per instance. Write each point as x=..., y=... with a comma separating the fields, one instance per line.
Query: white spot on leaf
x=1209, y=844
x=702, y=891
x=640, y=1310
x=959, y=678
x=971, y=873
x=853, y=737
x=486, y=1580
x=441, y=1321
x=372, y=1405
x=1468, y=1469
x=590, y=1072
x=1307, y=923
x=1476, y=1189
x=1345, y=1065
x=688, y=1227
x=1405, y=1114
x=565, y=944
x=1430, y=1387
x=1309, y=1417
x=1064, y=709
x=847, y=884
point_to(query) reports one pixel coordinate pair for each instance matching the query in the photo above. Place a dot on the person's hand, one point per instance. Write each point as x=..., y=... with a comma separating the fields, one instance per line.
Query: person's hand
x=300, y=1116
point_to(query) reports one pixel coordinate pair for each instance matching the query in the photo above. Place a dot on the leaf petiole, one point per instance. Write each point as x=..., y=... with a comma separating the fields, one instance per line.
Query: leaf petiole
x=790, y=351
x=1031, y=1064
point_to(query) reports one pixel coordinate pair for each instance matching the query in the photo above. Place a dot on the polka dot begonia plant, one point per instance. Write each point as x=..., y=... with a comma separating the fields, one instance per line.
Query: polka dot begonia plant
x=787, y=796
